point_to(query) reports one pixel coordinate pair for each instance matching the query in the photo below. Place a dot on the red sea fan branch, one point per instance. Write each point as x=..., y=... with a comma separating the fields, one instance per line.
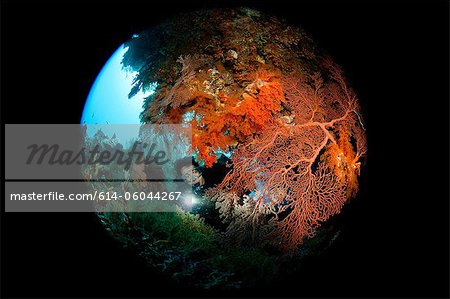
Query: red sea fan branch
x=301, y=172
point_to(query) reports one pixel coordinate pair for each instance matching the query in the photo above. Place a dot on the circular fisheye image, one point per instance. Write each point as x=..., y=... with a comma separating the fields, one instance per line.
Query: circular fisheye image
x=278, y=142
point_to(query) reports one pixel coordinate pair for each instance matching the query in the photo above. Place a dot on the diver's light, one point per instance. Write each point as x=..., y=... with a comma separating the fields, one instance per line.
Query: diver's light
x=191, y=200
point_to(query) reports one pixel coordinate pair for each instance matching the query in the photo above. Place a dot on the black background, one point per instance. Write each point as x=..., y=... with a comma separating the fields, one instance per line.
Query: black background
x=396, y=56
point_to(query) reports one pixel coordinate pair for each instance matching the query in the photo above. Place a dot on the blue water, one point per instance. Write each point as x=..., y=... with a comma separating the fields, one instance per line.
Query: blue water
x=108, y=102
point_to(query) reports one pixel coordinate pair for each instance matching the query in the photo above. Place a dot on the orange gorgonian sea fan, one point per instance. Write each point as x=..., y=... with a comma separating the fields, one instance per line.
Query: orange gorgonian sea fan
x=304, y=167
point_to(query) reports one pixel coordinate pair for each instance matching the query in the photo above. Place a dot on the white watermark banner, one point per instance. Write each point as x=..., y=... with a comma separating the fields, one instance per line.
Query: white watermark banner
x=102, y=168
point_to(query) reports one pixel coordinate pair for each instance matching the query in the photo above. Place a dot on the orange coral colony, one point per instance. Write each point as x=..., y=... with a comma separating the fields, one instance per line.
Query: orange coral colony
x=258, y=88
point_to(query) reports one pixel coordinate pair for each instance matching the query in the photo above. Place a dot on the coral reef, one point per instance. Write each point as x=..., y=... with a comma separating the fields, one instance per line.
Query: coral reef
x=259, y=90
